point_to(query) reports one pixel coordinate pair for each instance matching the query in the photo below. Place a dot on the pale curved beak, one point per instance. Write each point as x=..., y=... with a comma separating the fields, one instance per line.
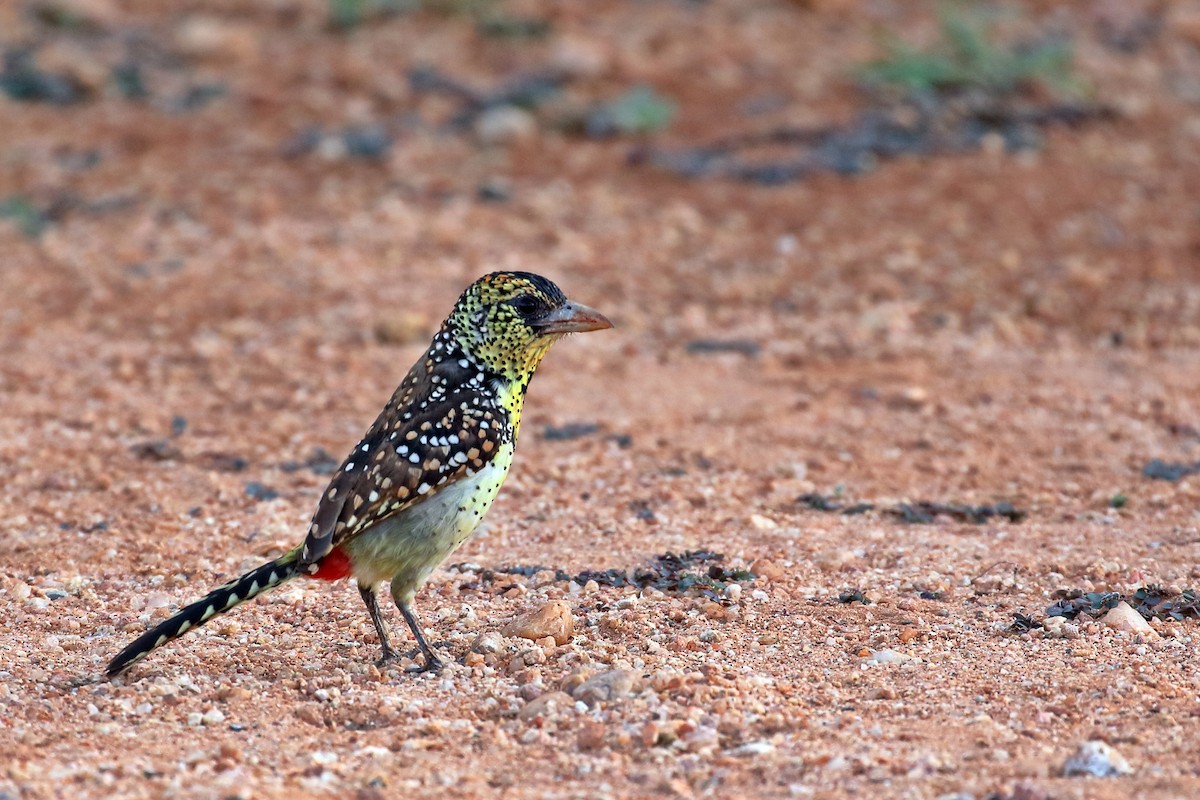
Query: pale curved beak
x=572, y=318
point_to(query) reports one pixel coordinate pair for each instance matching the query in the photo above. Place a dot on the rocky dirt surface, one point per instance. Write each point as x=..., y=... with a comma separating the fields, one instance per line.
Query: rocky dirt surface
x=232, y=229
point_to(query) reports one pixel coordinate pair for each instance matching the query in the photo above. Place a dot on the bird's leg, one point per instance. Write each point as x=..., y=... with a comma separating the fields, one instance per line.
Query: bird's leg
x=432, y=662
x=368, y=596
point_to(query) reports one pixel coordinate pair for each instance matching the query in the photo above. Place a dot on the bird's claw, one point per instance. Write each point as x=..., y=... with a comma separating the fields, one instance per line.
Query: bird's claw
x=434, y=665
x=388, y=656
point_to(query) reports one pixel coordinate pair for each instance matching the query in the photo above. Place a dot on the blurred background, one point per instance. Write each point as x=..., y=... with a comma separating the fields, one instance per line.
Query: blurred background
x=816, y=176
x=227, y=228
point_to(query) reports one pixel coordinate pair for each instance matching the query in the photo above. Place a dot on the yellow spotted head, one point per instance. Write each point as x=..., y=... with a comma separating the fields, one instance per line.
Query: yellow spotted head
x=506, y=321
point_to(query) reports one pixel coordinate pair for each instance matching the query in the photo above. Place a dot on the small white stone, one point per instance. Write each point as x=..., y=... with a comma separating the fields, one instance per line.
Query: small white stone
x=750, y=749
x=324, y=758
x=374, y=751
x=505, y=125
x=1122, y=617
x=213, y=717
x=763, y=523
x=887, y=657
x=489, y=642
x=1097, y=759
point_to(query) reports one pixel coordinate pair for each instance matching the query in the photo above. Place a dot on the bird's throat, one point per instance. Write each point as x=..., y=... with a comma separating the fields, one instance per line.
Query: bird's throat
x=511, y=397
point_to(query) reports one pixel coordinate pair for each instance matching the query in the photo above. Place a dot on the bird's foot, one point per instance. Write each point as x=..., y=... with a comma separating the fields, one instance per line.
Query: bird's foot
x=388, y=656
x=432, y=664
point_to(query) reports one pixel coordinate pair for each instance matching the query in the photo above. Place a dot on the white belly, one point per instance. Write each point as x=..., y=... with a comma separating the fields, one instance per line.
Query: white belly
x=406, y=548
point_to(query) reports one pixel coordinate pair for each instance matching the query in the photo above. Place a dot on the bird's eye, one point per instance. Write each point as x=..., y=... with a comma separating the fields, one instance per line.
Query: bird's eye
x=525, y=304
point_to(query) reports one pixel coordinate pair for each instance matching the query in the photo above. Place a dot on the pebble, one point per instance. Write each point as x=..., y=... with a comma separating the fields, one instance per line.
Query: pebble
x=1122, y=617
x=553, y=619
x=1097, y=759
x=1059, y=628
x=576, y=678
x=835, y=558
x=505, y=125
x=527, y=658
x=305, y=712
x=214, y=39
x=914, y=397
x=609, y=685
x=591, y=735
x=763, y=523
x=213, y=717
x=767, y=569
x=547, y=705
x=488, y=643
x=752, y=749
x=158, y=600
x=704, y=739
x=581, y=58
x=887, y=657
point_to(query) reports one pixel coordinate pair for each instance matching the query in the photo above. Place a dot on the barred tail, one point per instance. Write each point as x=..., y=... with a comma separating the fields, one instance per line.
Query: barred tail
x=218, y=601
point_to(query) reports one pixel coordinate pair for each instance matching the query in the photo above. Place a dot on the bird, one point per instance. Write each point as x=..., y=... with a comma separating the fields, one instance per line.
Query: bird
x=418, y=483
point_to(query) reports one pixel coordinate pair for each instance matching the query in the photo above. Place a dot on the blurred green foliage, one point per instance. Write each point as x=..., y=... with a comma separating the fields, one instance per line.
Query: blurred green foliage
x=637, y=110
x=490, y=19
x=347, y=14
x=966, y=55
x=28, y=218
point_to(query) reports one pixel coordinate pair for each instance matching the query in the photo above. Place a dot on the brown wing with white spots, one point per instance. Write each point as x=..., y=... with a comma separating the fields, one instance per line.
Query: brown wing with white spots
x=442, y=423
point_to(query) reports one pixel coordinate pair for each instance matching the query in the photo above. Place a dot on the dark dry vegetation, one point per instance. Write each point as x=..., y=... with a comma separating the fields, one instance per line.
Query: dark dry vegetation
x=885, y=485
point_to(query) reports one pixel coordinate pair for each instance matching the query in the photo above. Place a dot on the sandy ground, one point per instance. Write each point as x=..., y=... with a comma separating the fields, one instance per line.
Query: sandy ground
x=206, y=311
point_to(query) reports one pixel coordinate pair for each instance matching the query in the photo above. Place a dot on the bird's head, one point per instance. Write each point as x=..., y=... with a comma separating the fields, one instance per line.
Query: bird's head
x=506, y=321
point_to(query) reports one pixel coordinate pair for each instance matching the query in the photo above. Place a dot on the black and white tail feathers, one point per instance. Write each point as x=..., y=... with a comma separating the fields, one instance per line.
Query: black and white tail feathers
x=218, y=601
